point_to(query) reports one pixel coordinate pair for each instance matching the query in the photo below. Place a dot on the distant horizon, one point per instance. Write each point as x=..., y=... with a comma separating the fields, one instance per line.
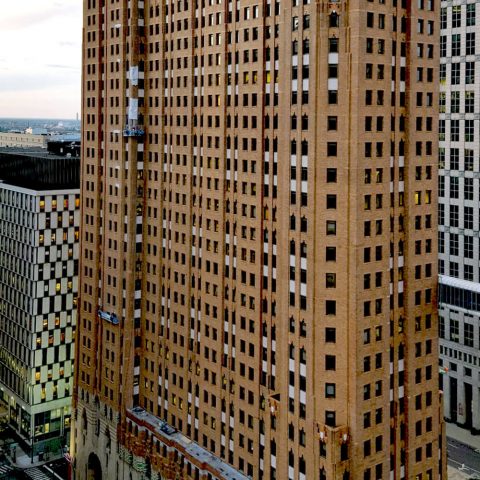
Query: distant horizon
x=40, y=118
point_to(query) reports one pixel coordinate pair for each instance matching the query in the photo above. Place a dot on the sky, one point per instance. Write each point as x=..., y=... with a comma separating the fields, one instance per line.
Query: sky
x=40, y=58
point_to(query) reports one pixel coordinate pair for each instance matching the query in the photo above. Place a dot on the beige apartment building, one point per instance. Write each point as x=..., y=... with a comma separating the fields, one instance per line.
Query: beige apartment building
x=22, y=140
x=258, y=274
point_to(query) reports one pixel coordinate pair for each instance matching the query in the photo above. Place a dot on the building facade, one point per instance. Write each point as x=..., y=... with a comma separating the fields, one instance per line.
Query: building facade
x=459, y=310
x=22, y=140
x=39, y=244
x=259, y=255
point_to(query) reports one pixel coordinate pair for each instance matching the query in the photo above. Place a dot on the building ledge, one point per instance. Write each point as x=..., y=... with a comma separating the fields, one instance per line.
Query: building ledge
x=194, y=453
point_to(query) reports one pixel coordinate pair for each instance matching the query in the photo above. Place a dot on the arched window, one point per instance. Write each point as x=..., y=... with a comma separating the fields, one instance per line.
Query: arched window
x=334, y=19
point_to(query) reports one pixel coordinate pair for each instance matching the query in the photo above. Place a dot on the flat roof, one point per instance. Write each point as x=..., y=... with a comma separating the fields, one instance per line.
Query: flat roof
x=37, y=169
x=36, y=152
x=200, y=457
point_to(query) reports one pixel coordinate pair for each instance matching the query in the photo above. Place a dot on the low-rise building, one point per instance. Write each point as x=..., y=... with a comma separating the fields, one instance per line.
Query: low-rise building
x=22, y=140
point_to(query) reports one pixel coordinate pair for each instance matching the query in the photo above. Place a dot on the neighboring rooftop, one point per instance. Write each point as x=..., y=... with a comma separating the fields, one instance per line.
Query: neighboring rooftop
x=199, y=456
x=64, y=148
x=36, y=131
x=38, y=169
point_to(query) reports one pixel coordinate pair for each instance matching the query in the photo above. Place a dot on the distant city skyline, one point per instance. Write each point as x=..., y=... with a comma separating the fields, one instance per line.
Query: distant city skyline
x=40, y=68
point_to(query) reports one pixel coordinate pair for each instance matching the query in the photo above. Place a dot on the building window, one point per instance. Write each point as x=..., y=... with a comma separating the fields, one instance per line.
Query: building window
x=470, y=14
x=455, y=102
x=294, y=24
x=366, y=420
x=442, y=102
x=441, y=186
x=454, y=184
x=330, y=390
x=454, y=215
x=468, y=272
x=443, y=18
x=454, y=244
x=330, y=335
x=333, y=122
x=331, y=175
x=331, y=227
x=470, y=43
x=366, y=448
x=443, y=72
x=330, y=307
x=468, y=188
x=468, y=246
x=441, y=326
x=455, y=130
x=456, y=16
x=454, y=331
x=454, y=159
x=469, y=101
x=443, y=46
x=441, y=214
x=333, y=45
x=456, y=44
x=332, y=97
x=370, y=19
x=468, y=334
x=468, y=218
x=366, y=391
x=469, y=73
x=330, y=280
x=332, y=149
x=455, y=77
x=453, y=269
x=334, y=20
x=369, y=45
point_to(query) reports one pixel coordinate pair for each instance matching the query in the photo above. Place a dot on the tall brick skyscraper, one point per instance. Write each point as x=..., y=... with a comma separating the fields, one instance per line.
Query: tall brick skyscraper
x=258, y=277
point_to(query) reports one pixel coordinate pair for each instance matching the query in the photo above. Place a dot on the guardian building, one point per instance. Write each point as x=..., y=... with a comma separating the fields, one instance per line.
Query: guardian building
x=259, y=254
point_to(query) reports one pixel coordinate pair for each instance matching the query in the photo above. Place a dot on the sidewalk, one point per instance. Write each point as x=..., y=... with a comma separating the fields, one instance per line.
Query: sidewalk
x=463, y=435
x=24, y=461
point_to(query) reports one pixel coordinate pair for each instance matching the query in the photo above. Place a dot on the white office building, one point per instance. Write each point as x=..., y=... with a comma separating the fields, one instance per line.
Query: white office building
x=459, y=201
x=39, y=233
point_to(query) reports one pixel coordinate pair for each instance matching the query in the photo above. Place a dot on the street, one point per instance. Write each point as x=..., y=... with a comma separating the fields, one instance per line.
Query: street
x=55, y=470
x=460, y=455
x=57, y=467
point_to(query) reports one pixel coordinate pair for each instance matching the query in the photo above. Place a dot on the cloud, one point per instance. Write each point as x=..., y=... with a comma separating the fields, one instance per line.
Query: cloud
x=63, y=67
x=31, y=16
x=63, y=103
x=25, y=20
x=15, y=82
x=45, y=60
x=64, y=43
